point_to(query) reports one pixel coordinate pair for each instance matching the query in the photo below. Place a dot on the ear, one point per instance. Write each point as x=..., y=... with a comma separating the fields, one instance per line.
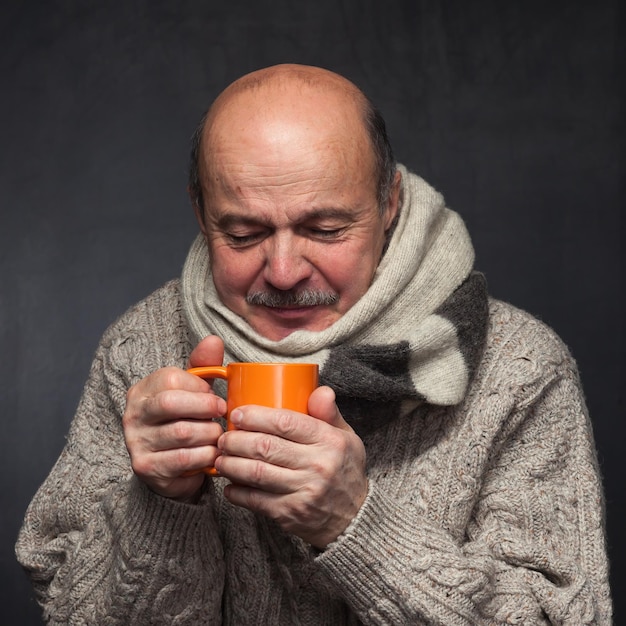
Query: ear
x=391, y=210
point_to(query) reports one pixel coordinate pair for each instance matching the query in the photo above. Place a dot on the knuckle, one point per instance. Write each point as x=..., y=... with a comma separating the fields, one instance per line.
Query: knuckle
x=132, y=442
x=131, y=394
x=141, y=465
x=170, y=377
x=166, y=401
x=182, y=431
x=285, y=422
x=263, y=448
x=258, y=472
x=182, y=457
x=321, y=468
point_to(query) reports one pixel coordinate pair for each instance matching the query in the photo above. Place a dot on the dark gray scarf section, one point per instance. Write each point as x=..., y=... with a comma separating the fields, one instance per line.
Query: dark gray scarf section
x=372, y=381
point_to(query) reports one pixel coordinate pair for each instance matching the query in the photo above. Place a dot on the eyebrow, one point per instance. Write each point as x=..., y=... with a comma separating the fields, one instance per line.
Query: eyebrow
x=228, y=220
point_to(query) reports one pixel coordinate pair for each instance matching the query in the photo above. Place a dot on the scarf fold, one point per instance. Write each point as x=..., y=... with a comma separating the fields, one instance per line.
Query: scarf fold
x=416, y=335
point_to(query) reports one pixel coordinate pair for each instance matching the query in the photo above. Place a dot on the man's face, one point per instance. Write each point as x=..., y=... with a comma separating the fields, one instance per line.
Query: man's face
x=291, y=220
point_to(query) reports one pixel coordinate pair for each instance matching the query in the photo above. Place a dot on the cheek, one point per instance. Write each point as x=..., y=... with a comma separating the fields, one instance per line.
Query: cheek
x=232, y=273
x=348, y=271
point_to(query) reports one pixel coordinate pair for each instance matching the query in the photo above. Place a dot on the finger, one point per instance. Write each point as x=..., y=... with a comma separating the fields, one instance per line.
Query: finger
x=264, y=502
x=210, y=351
x=264, y=447
x=168, y=378
x=170, y=464
x=290, y=425
x=175, y=404
x=254, y=474
x=184, y=434
x=144, y=396
x=323, y=406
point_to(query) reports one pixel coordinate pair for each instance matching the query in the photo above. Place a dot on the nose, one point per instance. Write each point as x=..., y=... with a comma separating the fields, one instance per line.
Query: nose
x=286, y=266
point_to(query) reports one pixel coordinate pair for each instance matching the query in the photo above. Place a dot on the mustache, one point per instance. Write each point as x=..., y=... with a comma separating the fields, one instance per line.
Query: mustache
x=276, y=299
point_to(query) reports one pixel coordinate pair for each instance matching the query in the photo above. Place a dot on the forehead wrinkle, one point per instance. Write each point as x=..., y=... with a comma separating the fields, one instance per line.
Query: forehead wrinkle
x=254, y=190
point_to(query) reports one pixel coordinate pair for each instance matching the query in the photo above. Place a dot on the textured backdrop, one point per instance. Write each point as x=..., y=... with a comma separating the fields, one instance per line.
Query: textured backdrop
x=511, y=109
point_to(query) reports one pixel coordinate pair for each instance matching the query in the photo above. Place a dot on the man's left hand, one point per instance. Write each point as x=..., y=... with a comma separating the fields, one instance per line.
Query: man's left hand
x=307, y=472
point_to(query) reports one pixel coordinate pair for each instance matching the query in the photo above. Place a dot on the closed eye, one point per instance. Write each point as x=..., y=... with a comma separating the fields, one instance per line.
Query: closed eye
x=240, y=241
x=326, y=233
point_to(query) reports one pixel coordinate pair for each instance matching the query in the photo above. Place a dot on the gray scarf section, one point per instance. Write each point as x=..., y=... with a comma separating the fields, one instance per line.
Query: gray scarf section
x=415, y=336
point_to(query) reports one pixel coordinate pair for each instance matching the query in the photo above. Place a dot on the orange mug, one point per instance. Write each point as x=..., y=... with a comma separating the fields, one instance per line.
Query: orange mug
x=277, y=385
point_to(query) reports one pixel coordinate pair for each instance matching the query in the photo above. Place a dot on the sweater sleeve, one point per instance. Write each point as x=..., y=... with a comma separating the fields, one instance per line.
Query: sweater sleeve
x=529, y=548
x=100, y=547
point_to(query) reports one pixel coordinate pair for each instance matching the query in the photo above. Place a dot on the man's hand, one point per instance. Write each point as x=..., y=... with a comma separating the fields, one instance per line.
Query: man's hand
x=168, y=425
x=307, y=472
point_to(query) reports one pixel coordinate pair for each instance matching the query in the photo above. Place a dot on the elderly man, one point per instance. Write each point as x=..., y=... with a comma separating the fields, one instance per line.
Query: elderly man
x=445, y=472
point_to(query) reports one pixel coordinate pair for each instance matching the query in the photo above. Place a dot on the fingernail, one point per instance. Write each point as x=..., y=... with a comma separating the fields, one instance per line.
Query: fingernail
x=236, y=416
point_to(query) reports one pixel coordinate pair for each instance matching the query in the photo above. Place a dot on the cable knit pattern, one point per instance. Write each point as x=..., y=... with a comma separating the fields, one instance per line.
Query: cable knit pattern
x=486, y=512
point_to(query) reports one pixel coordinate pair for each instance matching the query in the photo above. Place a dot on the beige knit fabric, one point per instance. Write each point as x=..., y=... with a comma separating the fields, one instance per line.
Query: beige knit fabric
x=487, y=512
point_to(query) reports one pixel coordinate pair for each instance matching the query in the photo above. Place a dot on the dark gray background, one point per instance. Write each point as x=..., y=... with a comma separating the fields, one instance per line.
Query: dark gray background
x=512, y=109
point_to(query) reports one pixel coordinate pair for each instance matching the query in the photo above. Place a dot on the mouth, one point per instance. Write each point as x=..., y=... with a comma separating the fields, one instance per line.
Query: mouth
x=276, y=323
x=288, y=311
x=291, y=311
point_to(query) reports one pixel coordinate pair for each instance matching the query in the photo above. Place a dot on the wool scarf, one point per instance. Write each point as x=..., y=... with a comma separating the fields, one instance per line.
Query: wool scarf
x=415, y=336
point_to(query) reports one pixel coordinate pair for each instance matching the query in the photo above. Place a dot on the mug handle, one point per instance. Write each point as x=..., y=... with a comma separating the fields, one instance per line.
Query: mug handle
x=207, y=371
x=210, y=371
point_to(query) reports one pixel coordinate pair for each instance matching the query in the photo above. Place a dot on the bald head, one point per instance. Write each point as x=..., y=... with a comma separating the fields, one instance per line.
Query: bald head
x=292, y=102
x=286, y=77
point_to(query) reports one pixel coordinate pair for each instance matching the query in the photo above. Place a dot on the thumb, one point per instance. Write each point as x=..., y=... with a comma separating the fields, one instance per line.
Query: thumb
x=322, y=406
x=210, y=351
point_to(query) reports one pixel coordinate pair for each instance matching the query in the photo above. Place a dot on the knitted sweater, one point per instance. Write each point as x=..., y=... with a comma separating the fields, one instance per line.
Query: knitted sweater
x=484, y=502
x=485, y=512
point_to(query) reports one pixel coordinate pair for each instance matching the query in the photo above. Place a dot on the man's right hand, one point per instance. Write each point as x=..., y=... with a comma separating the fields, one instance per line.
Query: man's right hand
x=168, y=425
